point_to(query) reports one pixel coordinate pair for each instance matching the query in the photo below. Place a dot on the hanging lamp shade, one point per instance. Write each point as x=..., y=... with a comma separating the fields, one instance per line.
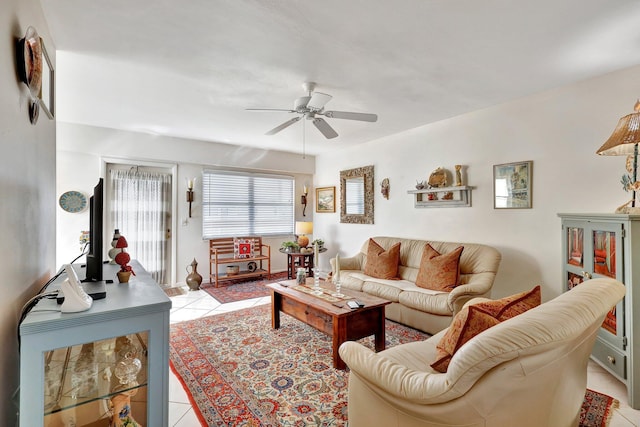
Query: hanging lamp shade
x=625, y=136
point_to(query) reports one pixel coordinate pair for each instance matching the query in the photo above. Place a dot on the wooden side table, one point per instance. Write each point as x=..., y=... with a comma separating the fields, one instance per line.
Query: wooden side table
x=296, y=260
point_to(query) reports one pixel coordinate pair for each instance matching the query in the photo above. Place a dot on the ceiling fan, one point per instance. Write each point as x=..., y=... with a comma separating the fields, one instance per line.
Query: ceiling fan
x=312, y=106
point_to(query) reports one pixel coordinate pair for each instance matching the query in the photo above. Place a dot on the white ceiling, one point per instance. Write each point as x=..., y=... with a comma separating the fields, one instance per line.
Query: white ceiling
x=190, y=68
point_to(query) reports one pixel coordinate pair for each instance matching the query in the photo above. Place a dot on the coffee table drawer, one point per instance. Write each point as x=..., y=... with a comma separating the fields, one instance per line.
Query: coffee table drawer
x=319, y=320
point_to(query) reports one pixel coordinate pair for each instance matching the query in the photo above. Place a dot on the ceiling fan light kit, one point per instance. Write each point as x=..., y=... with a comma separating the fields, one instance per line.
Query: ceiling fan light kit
x=311, y=106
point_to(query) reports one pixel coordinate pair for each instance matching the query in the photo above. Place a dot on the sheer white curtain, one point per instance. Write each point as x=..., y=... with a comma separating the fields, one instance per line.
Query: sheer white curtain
x=140, y=210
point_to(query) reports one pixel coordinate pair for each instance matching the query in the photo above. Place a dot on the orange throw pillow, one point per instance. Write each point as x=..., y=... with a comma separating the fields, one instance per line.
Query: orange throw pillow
x=508, y=307
x=439, y=272
x=380, y=263
x=468, y=323
x=473, y=319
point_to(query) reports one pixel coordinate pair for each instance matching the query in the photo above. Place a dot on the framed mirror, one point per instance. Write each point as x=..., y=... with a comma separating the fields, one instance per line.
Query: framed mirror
x=356, y=195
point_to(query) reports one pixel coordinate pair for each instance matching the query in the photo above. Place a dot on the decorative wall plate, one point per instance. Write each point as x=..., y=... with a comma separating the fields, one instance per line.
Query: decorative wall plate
x=73, y=201
x=30, y=61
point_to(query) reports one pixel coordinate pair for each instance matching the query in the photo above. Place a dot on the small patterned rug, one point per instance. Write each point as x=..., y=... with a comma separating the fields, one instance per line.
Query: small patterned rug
x=241, y=289
x=597, y=409
x=238, y=371
x=175, y=290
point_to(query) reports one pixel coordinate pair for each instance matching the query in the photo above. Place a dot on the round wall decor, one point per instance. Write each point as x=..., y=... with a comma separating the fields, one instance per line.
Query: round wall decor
x=73, y=201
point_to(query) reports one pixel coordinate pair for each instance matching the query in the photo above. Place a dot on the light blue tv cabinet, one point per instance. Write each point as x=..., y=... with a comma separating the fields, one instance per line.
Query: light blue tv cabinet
x=68, y=361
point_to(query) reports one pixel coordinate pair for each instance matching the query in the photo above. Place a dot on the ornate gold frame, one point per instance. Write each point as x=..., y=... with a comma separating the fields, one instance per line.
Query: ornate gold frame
x=365, y=172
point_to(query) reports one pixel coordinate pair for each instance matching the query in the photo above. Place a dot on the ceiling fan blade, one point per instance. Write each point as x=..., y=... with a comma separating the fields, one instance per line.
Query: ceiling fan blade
x=324, y=127
x=318, y=100
x=363, y=117
x=268, y=110
x=283, y=126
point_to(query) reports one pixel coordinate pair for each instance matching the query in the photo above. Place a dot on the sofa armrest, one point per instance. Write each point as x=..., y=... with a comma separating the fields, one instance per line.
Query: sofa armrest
x=394, y=379
x=350, y=263
x=479, y=286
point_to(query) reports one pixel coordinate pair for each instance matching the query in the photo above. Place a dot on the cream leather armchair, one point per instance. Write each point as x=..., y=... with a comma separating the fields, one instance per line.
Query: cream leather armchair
x=530, y=370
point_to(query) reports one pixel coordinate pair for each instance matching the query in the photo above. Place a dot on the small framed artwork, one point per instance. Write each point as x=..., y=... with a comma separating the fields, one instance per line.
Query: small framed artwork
x=326, y=199
x=512, y=185
x=47, y=89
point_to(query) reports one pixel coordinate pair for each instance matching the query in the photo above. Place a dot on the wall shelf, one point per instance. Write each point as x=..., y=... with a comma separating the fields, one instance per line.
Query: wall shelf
x=461, y=197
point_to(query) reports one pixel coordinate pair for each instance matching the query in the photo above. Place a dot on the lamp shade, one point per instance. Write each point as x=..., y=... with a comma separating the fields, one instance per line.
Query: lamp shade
x=304, y=227
x=625, y=136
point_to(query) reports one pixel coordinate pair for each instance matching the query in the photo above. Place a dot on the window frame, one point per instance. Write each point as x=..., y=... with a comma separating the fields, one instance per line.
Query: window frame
x=249, y=206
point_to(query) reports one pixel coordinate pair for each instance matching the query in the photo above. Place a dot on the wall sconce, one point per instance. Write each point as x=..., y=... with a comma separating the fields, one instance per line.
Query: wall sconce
x=190, y=183
x=303, y=199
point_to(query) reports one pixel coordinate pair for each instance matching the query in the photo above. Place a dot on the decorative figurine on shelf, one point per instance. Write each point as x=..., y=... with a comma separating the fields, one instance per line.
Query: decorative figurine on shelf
x=432, y=196
x=122, y=259
x=419, y=185
x=114, y=251
x=448, y=196
x=438, y=178
x=458, y=175
x=384, y=188
x=194, y=279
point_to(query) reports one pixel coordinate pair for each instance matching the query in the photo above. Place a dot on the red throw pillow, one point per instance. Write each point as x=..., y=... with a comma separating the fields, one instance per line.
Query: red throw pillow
x=475, y=318
x=439, y=272
x=380, y=263
x=243, y=248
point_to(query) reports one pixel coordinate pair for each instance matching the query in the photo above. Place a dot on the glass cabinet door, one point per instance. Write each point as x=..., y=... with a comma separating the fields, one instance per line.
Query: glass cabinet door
x=101, y=383
x=575, y=246
x=605, y=263
x=593, y=249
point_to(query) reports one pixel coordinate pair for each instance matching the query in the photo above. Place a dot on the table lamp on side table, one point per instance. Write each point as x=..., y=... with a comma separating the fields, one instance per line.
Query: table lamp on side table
x=302, y=229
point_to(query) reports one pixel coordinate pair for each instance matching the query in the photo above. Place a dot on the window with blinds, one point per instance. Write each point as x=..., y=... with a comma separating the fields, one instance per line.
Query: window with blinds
x=246, y=204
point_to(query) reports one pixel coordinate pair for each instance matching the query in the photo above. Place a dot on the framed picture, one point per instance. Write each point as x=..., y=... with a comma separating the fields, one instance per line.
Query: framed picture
x=326, y=199
x=512, y=184
x=47, y=89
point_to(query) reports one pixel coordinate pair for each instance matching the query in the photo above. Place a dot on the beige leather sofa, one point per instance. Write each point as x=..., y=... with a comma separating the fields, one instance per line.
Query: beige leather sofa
x=530, y=370
x=424, y=309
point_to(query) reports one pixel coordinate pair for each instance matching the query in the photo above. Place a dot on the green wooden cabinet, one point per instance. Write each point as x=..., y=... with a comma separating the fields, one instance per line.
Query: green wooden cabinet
x=608, y=245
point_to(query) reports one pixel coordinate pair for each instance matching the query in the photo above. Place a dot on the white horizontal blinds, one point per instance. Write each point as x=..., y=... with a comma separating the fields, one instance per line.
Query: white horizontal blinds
x=355, y=196
x=245, y=204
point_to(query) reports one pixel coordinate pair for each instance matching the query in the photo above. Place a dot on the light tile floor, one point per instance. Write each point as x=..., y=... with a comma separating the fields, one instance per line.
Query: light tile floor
x=195, y=304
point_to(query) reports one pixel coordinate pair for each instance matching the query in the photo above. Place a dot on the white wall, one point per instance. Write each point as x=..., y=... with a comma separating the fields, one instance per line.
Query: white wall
x=82, y=149
x=559, y=130
x=27, y=189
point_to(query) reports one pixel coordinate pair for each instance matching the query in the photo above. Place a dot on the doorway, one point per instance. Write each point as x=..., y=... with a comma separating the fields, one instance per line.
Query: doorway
x=139, y=202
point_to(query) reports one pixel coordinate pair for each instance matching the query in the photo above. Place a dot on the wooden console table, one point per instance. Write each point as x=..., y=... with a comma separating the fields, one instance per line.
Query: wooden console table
x=334, y=319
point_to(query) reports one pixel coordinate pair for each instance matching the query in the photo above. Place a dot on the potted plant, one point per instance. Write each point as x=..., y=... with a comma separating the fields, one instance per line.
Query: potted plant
x=290, y=246
x=320, y=243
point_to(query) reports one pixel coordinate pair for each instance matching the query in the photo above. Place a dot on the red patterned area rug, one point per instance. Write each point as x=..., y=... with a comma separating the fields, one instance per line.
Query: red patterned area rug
x=238, y=371
x=238, y=290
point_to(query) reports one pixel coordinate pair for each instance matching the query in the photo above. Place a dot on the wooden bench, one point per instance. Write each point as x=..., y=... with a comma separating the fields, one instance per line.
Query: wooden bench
x=222, y=251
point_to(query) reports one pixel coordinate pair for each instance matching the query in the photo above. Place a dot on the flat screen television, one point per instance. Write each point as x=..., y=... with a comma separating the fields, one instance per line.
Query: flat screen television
x=94, y=256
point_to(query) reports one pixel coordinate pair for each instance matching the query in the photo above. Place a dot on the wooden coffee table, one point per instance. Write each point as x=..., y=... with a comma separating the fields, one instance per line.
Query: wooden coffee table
x=333, y=318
